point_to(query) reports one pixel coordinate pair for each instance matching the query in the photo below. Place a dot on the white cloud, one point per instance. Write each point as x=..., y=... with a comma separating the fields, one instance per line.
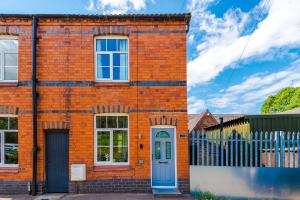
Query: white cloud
x=223, y=40
x=116, y=6
x=195, y=105
x=244, y=97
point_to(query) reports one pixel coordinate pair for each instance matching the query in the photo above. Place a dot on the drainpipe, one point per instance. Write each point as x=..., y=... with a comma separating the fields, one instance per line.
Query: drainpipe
x=34, y=107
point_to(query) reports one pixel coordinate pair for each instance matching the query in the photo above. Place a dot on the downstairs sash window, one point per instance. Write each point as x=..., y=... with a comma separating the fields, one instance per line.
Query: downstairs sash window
x=111, y=139
x=9, y=141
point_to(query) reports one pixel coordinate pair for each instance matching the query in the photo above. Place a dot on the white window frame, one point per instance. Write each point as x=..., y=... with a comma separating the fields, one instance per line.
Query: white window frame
x=2, y=53
x=2, y=164
x=100, y=163
x=111, y=58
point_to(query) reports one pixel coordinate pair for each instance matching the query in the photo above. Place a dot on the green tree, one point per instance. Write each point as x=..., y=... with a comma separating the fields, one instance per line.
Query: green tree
x=286, y=99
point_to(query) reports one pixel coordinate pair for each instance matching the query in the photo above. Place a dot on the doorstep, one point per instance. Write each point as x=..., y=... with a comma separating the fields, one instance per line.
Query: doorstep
x=166, y=193
x=51, y=196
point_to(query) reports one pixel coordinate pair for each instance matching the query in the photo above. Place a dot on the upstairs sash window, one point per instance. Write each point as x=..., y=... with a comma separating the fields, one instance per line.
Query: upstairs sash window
x=112, y=59
x=8, y=59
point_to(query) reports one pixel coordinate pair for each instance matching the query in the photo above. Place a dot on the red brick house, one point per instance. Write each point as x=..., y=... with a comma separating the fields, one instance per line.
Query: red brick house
x=93, y=103
x=201, y=121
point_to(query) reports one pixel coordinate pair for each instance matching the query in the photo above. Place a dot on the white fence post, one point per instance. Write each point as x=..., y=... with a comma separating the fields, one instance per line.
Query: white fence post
x=217, y=148
x=298, y=148
x=193, y=147
x=202, y=147
x=266, y=149
x=293, y=143
x=288, y=146
x=212, y=148
x=260, y=148
x=276, y=148
x=271, y=149
x=226, y=151
x=198, y=147
x=222, y=149
x=241, y=151
x=207, y=149
x=255, y=150
x=251, y=150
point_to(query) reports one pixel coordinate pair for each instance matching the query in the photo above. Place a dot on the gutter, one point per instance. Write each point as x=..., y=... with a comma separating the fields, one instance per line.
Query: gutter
x=179, y=16
x=34, y=108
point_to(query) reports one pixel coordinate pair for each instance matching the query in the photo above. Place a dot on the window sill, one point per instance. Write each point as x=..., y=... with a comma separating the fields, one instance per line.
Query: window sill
x=8, y=84
x=104, y=168
x=9, y=169
x=99, y=84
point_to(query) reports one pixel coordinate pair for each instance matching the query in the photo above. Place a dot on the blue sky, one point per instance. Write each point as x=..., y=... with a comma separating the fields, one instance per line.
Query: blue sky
x=239, y=51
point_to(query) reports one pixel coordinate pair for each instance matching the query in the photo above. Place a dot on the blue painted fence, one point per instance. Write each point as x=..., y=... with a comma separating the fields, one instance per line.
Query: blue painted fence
x=259, y=149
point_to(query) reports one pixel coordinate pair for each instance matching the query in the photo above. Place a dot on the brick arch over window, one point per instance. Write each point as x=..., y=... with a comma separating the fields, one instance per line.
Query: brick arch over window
x=9, y=30
x=9, y=109
x=112, y=108
x=163, y=120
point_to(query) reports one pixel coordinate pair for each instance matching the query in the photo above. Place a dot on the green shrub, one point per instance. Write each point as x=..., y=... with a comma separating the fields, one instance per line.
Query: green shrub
x=199, y=195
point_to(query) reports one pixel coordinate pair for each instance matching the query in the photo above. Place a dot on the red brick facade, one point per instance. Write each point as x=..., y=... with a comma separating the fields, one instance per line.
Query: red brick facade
x=69, y=97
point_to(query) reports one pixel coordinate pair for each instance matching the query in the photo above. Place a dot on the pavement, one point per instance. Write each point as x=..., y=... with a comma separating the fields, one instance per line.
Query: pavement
x=102, y=196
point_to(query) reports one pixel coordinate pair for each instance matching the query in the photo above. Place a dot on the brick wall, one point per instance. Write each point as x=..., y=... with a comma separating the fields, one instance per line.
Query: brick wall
x=69, y=97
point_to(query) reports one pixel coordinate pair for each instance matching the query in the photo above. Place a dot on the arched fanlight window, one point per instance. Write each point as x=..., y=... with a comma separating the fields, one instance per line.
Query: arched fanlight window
x=162, y=134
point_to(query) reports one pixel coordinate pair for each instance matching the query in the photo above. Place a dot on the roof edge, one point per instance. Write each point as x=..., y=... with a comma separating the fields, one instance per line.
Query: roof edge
x=186, y=16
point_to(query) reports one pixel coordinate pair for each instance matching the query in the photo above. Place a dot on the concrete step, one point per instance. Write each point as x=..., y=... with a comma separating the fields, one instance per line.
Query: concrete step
x=166, y=193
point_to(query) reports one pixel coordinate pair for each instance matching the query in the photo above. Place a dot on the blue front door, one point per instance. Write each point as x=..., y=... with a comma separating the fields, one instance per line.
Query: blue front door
x=163, y=157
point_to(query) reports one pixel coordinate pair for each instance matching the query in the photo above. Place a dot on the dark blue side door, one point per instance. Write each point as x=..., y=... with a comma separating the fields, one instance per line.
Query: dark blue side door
x=57, y=161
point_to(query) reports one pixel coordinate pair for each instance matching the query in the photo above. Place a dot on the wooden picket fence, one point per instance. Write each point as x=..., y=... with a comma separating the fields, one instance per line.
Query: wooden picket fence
x=258, y=149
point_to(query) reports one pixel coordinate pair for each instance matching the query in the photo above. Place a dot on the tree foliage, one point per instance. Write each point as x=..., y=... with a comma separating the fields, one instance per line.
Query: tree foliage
x=286, y=99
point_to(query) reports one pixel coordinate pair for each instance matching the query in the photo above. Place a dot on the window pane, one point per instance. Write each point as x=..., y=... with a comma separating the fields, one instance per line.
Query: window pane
x=162, y=134
x=11, y=59
x=122, y=122
x=103, y=60
x=10, y=73
x=120, y=73
x=122, y=45
x=120, y=59
x=103, y=73
x=101, y=122
x=101, y=45
x=103, y=138
x=120, y=138
x=157, y=150
x=168, y=150
x=120, y=154
x=13, y=123
x=103, y=154
x=11, y=148
x=9, y=45
x=3, y=123
x=112, y=45
x=111, y=121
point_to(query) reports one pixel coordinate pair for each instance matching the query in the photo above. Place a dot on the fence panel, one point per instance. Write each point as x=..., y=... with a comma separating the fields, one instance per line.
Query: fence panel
x=256, y=149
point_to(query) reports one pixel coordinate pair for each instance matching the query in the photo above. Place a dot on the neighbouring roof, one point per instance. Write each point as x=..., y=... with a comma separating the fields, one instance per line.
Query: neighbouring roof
x=186, y=16
x=284, y=121
x=227, y=117
x=293, y=111
x=194, y=119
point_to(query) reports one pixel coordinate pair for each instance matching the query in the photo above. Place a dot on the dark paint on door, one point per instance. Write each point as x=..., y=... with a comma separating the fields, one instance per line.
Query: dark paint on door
x=57, y=161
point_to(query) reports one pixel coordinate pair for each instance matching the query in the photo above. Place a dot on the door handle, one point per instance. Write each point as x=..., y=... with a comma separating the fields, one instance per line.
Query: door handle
x=162, y=161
